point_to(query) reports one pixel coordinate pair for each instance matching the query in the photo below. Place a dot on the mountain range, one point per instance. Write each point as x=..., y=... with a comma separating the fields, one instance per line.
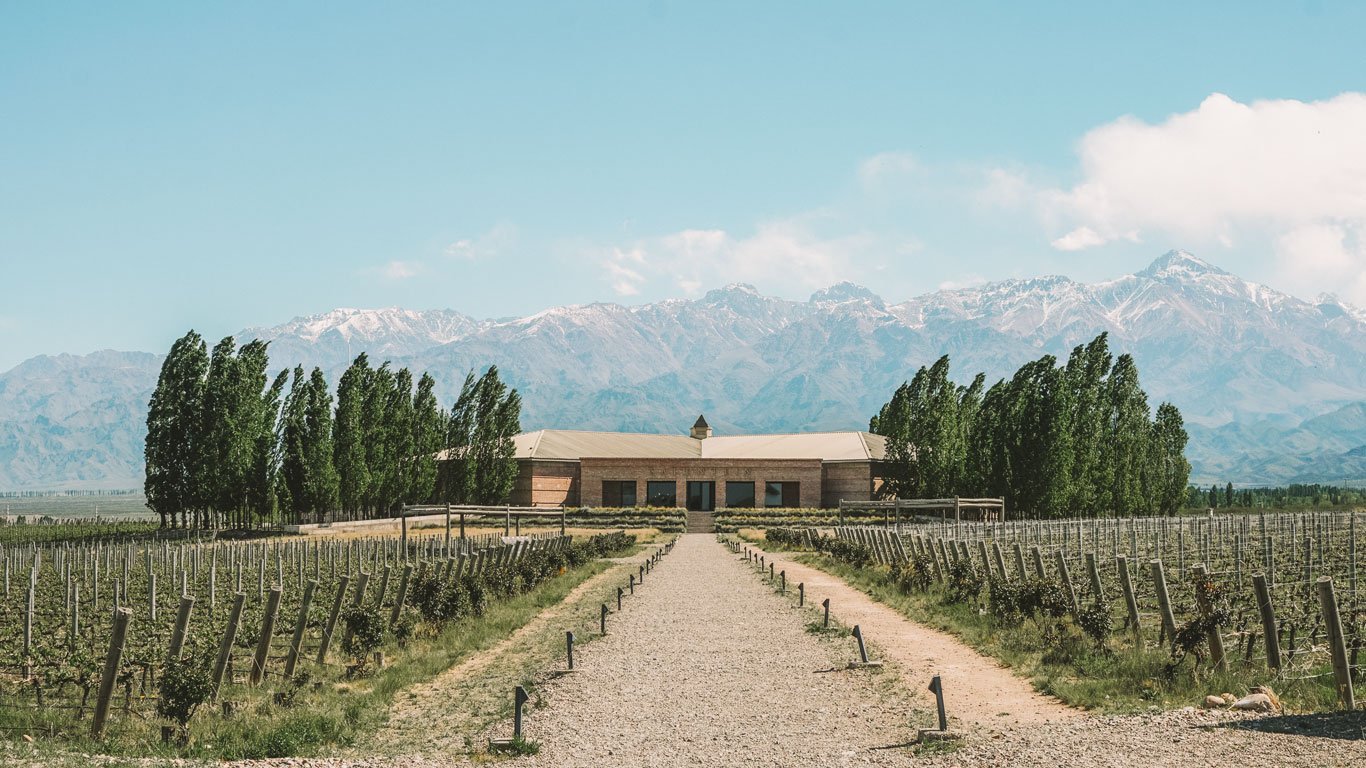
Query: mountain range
x=1273, y=388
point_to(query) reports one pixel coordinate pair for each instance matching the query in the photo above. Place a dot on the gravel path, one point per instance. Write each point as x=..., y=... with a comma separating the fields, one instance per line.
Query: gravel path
x=707, y=666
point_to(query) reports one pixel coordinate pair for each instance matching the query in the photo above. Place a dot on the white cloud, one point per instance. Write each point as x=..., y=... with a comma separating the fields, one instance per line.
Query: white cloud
x=491, y=243
x=786, y=257
x=1230, y=175
x=401, y=270
x=1079, y=239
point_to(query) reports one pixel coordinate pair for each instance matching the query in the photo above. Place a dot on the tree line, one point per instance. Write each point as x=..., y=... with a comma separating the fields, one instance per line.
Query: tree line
x=1053, y=440
x=1281, y=497
x=229, y=445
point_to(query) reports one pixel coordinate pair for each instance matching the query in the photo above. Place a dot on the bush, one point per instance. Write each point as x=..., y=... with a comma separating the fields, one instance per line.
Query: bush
x=364, y=634
x=184, y=686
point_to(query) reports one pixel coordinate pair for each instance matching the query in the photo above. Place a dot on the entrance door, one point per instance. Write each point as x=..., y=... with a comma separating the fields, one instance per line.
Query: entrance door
x=701, y=495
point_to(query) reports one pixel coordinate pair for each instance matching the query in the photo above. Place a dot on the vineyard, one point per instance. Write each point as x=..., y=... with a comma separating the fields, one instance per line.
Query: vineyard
x=125, y=640
x=1269, y=596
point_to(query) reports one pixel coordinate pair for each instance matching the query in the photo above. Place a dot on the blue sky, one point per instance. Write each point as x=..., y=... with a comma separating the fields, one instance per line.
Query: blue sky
x=176, y=165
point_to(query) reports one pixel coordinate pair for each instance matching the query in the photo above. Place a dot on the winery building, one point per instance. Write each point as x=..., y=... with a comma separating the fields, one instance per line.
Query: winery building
x=697, y=471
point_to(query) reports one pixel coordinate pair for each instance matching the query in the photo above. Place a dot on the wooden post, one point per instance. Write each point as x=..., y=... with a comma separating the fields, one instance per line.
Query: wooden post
x=296, y=642
x=112, y=661
x=1342, y=671
x=1093, y=571
x=403, y=535
x=401, y=596
x=1019, y=563
x=331, y=625
x=1270, y=632
x=1216, y=640
x=1066, y=580
x=362, y=582
x=1164, y=603
x=182, y=625
x=1037, y=555
x=220, y=664
x=448, y=530
x=258, y=664
x=1130, y=602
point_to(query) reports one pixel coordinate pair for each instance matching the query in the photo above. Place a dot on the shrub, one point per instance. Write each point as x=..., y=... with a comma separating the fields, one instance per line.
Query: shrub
x=184, y=686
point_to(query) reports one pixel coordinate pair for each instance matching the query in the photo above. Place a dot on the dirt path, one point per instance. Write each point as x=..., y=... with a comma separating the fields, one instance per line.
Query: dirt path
x=709, y=666
x=977, y=691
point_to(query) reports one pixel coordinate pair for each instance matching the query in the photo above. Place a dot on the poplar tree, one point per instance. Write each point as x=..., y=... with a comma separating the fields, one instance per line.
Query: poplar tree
x=261, y=485
x=373, y=419
x=1170, y=466
x=348, y=452
x=293, y=476
x=429, y=427
x=173, y=415
x=1125, y=446
x=321, y=476
x=456, y=476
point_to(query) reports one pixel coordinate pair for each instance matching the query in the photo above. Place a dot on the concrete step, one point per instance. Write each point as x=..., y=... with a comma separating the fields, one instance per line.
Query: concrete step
x=701, y=522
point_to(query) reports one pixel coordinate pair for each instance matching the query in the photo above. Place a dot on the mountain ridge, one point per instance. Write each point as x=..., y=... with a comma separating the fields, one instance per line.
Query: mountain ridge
x=1232, y=354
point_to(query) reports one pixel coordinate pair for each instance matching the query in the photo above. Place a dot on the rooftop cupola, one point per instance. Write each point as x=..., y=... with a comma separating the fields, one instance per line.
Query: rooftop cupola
x=701, y=430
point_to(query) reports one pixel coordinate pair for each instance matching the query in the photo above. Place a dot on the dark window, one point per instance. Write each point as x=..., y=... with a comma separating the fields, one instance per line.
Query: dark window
x=618, y=493
x=784, y=494
x=661, y=493
x=740, y=495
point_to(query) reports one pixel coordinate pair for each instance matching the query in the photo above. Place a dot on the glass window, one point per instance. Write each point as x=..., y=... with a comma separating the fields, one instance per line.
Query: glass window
x=784, y=494
x=740, y=495
x=618, y=493
x=661, y=493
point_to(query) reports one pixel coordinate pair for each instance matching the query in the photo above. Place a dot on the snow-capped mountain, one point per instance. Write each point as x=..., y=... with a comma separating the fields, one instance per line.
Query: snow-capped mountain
x=1249, y=366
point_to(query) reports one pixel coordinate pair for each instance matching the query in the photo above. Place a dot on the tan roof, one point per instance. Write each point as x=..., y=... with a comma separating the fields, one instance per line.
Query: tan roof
x=570, y=445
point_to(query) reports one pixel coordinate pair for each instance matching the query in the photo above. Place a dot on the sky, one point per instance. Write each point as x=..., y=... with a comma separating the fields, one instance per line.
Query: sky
x=216, y=166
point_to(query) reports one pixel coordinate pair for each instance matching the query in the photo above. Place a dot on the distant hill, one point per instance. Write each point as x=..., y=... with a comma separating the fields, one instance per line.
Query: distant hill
x=1272, y=386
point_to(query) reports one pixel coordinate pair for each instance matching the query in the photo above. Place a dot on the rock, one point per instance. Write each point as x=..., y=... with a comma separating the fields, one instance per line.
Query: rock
x=1254, y=702
x=1214, y=702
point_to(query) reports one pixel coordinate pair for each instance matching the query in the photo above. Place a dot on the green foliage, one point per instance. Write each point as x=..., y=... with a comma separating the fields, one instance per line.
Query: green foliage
x=364, y=633
x=964, y=583
x=184, y=685
x=481, y=464
x=172, y=450
x=1053, y=441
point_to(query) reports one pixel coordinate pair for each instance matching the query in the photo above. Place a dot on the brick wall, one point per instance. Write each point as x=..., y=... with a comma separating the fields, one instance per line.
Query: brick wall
x=848, y=480
x=547, y=484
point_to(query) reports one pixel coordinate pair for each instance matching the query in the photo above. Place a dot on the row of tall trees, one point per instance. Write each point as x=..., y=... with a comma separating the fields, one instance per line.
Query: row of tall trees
x=1053, y=440
x=229, y=445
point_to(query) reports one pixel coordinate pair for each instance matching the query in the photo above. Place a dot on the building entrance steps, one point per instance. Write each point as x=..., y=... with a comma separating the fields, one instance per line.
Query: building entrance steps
x=701, y=522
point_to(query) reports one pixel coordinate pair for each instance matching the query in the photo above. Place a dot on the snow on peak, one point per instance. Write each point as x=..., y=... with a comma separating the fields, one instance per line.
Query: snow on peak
x=1180, y=264
x=844, y=291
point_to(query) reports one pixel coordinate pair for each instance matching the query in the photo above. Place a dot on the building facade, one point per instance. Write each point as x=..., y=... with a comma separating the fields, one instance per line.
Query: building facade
x=698, y=471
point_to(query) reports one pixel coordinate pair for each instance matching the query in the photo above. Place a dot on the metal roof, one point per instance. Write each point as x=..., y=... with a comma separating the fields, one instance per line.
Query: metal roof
x=571, y=445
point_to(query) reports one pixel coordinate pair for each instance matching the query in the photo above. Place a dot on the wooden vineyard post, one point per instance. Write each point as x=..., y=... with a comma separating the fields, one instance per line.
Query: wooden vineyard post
x=402, y=595
x=1019, y=563
x=1342, y=671
x=28, y=634
x=1130, y=602
x=361, y=582
x=182, y=625
x=1269, y=631
x=1037, y=556
x=258, y=662
x=220, y=664
x=331, y=625
x=111, y=671
x=296, y=642
x=1216, y=640
x=999, y=558
x=1094, y=573
x=1164, y=603
x=448, y=530
x=1066, y=581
